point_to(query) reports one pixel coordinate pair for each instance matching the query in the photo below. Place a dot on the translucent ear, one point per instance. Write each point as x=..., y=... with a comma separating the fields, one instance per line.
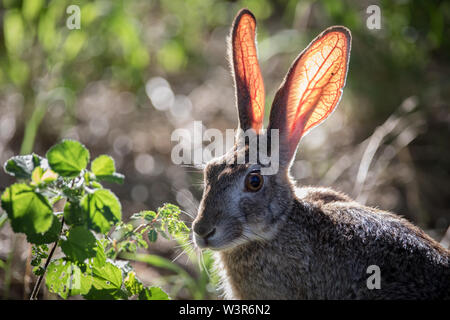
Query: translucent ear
x=247, y=74
x=312, y=88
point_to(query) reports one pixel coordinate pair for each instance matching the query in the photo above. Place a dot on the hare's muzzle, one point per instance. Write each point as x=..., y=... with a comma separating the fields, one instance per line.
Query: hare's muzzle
x=203, y=232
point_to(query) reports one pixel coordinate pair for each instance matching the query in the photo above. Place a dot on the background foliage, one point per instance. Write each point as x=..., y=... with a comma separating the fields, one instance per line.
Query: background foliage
x=136, y=70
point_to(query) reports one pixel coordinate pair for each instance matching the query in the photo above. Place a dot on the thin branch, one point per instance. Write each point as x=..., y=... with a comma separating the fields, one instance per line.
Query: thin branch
x=37, y=286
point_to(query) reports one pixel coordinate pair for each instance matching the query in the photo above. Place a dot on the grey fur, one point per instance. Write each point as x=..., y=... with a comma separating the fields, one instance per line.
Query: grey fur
x=286, y=242
x=314, y=243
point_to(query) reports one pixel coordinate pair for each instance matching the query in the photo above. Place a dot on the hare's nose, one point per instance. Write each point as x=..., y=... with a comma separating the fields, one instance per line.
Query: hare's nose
x=203, y=231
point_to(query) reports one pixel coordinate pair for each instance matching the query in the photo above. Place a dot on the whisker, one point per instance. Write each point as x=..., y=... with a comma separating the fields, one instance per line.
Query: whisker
x=181, y=253
x=198, y=167
x=188, y=214
x=202, y=258
x=182, y=245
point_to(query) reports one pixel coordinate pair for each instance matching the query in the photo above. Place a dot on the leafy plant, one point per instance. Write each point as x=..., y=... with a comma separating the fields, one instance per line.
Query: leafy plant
x=88, y=226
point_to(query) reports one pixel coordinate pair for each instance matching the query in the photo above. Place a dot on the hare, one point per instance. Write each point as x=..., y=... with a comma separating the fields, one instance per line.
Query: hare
x=273, y=240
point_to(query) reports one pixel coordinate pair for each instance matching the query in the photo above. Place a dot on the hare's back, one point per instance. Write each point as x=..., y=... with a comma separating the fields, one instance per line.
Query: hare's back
x=353, y=237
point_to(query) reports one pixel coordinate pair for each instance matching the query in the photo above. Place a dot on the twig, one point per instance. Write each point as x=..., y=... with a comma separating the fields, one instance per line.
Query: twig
x=393, y=122
x=37, y=286
x=402, y=140
x=372, y=147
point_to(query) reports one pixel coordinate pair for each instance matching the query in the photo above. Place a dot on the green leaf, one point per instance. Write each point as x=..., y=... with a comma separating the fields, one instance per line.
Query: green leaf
x=49, y=176
x=103, y=165
x=105, y=294
x=115, y=178
x=132, y=284
x=22, y=166
x=68, y=158
x=66, y=278
x=100, y=257
x=104, y=169
x=37, y=174
x=51, y=235
x=29, y=211
x=40, y=175
x=95, y=185
x=127, y=245
x=39, y=252
x=153, y=293
x=38, y=271
x=152, y=235
x=80, y=244
x=107, y=277
x=74, y=214
x=103, y=210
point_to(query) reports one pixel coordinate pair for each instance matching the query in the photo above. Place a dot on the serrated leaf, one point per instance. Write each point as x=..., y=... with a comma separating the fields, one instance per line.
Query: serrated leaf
x=107, y=277
x=153, y=293
x=103, y=210
x=68, y=158
x=66, y=278
x=79, y=245
x=51, y=235
x=103, y=165
x=22, y=166
x=28, y=211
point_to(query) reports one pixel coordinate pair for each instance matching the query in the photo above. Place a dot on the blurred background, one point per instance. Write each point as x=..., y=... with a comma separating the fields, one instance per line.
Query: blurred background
x=137, y=70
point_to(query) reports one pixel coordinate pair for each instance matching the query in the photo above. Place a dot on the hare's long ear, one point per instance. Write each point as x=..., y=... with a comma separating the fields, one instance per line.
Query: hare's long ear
x=247, y=74
x=311, y=89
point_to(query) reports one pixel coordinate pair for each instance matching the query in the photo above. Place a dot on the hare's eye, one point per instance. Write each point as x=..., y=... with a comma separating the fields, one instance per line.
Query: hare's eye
x=254, y=181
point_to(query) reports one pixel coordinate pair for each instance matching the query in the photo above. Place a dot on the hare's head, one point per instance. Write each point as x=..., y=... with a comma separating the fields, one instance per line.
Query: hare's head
x=246, y=197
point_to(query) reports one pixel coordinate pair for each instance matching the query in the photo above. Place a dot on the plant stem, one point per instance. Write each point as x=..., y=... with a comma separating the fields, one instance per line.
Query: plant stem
x=37, y=286
x=31, y=129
